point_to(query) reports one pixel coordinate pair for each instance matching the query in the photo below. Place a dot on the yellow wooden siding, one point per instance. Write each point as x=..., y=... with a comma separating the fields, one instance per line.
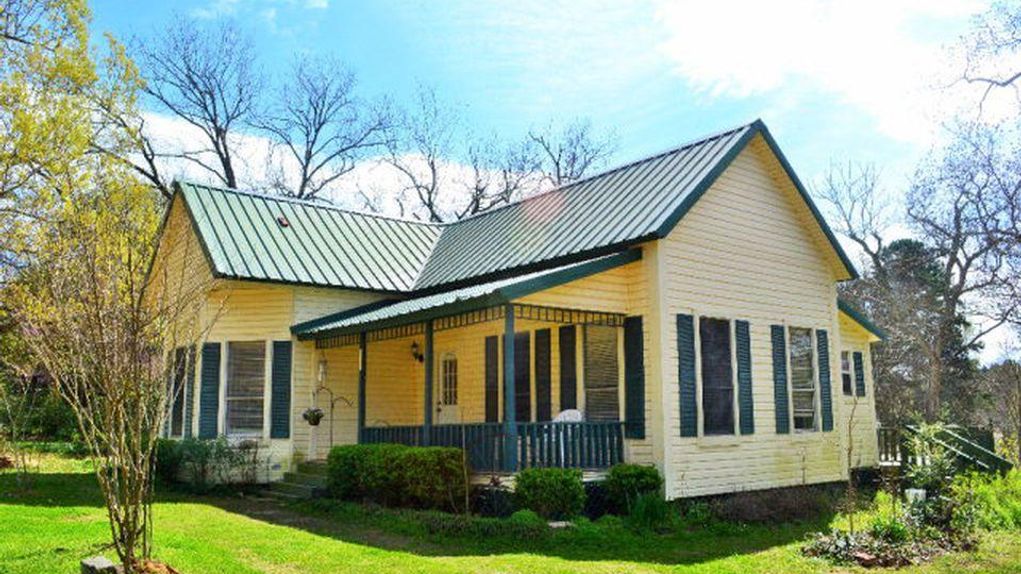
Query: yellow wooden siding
x=865, y=449
x=748, y=249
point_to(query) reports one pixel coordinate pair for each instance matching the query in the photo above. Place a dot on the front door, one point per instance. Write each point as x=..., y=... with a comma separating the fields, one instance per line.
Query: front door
x=447, y=410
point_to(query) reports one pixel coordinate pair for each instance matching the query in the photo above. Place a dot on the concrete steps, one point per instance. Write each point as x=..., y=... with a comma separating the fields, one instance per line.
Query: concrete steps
x=308, y=480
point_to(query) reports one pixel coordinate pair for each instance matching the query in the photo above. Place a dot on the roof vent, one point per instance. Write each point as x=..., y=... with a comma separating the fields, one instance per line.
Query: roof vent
x=283, y=221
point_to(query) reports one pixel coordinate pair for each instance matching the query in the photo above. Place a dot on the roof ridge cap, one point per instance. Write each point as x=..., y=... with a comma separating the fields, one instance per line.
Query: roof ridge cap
x=315, y=203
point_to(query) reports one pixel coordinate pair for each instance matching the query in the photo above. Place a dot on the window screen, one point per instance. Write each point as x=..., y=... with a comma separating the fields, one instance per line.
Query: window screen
x=802, y=378
x=717, y=376
x=246, y=386
x=602, y=374
x=448, y=369
x=846, y=374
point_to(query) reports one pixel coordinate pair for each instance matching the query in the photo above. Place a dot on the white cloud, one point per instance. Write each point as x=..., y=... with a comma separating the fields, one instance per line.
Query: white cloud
x=881, y=57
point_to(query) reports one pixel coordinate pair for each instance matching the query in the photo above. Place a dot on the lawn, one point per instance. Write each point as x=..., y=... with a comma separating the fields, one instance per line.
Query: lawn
x=50, y=527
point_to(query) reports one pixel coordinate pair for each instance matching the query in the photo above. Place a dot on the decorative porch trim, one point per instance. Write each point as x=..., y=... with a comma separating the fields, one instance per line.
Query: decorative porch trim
x=541, y=313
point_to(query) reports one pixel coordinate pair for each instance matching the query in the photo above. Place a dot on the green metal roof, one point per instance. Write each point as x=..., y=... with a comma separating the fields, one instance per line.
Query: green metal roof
x=393, y=314
x=273, y=238
x=600, y=215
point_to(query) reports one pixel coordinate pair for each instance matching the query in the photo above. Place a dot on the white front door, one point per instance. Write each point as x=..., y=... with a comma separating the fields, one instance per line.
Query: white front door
x=447, y=410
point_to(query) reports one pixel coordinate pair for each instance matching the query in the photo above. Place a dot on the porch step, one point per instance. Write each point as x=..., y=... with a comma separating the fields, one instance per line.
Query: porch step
x=314, y=480
x=314, y=467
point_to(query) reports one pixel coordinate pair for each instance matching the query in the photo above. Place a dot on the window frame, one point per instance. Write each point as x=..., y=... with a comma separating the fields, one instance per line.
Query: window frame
x=448, y=358
x=816, y=394
x=700, y=382
x=847, y=370
x=267, y=359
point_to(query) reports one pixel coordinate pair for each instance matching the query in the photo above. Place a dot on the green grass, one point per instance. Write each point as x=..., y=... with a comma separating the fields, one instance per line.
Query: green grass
x=59, y=520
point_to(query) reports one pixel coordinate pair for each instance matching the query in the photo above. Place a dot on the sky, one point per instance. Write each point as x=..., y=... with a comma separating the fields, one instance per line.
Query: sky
x=836, y=81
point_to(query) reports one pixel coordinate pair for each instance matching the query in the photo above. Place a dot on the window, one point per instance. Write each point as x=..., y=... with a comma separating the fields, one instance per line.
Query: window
x=448, y=379
x=246, y=387
x=802, y=363
x=717, y=376
x=601, y=373
x=178, y=390
x=846, y=372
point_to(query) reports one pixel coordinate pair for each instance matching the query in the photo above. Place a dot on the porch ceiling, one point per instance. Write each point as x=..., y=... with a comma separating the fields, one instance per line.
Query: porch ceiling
x=398, y=313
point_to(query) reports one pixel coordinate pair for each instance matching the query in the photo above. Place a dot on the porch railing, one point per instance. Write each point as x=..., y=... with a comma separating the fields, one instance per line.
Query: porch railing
x=586, y=445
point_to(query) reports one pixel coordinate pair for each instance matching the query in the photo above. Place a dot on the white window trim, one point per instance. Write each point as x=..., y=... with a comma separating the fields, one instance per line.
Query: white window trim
x=266, y=390
x=444, y=358
x=716, y=439
x=816, y=418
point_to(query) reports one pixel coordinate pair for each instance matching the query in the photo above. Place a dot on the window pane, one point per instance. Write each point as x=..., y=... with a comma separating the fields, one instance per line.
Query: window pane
x=802, y=378
x=601, y=373
x=246, y=383
x=717, y=376
x=845, y=371
x=448, y=394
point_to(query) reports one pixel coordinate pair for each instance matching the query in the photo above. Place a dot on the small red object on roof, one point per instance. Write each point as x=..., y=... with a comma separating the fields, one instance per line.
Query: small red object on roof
x=283, y=221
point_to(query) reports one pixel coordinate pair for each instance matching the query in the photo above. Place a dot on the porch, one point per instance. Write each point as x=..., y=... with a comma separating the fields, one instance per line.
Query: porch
x=513, y=382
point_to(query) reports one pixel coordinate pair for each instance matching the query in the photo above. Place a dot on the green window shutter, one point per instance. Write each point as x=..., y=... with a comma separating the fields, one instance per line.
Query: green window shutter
x=686, y=374
x=189, y=405
x=568, y=367
x=522, y=378
x=492, y=379
x=209, y=397
x=822, y=343
x=634, y=379
x=859, y=374
x=744, y=376
x=543, y=385
x=280, y=399
x=783, y=423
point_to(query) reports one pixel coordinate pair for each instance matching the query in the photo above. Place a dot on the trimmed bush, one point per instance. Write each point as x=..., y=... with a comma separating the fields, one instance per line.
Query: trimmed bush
x=398, y=475
x=626, y=483
x=553, y=493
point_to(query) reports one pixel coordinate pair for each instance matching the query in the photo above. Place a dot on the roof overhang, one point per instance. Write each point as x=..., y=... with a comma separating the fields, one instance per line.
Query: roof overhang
x=387, y=314
x=758, y=127
x=858, y=317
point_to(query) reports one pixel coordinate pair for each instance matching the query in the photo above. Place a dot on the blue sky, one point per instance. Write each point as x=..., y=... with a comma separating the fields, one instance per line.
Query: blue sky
x=833, y=80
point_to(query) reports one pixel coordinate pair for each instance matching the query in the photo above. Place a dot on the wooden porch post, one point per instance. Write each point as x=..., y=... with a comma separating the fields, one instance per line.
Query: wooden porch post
x=510, y=423
x=362, y=355
x=427, y=413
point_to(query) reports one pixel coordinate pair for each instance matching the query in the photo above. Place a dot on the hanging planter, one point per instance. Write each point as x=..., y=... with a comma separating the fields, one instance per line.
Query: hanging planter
x=313, y=415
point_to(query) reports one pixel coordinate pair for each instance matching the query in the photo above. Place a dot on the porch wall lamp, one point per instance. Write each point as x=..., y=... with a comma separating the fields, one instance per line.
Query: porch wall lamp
x=416, y=353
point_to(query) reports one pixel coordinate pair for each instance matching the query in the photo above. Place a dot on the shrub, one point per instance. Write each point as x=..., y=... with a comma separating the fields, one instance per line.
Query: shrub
x=650, y=512
x=526, y=517
x=201, y=464
x=398, y=475
x=168, y=461
x=553, y=493
x=432, y=477
x=995, y=499
x=934, y=465
x=698, y=514
x=626, y=483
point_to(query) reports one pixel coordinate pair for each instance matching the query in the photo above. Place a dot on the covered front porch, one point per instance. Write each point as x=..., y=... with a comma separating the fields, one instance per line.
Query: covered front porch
x=571, y=395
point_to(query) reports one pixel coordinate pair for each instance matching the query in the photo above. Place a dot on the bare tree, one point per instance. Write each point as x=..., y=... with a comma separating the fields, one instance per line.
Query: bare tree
x=207, y=77
x=966, y=203
x=570, y=153
x=322, y=125
x=449, y=174
x=863, y=213
x=1003, y=384
x=992, y=49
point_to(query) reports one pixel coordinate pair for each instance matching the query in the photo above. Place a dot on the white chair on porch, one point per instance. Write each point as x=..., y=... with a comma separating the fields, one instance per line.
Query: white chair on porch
x=567, y=416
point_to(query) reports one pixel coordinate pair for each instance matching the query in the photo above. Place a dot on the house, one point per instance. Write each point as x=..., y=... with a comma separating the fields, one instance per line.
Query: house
x=681, y=310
